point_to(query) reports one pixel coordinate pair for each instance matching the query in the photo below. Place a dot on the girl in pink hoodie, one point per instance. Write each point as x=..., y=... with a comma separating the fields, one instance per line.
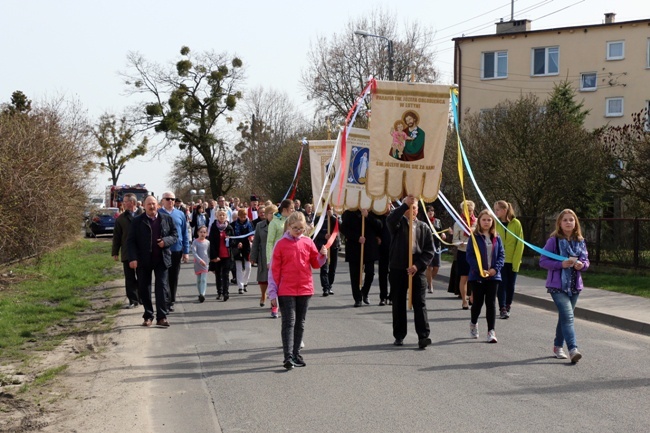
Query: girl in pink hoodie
x=294, y=256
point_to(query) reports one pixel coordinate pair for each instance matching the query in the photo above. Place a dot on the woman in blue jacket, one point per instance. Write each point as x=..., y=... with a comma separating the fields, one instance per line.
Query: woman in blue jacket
x=484, y=280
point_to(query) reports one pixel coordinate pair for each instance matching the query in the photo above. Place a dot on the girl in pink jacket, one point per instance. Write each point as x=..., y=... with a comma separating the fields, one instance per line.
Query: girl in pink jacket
x=294, y=256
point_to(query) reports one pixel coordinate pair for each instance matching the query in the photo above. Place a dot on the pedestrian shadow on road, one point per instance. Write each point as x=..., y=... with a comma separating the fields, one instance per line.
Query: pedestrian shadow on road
x=492, y=364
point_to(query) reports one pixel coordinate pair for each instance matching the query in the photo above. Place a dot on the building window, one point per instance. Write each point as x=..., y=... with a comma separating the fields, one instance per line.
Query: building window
x=614, y=107
x=495, y=65
x=546, y=61
x=588, y=82
x=616, y=50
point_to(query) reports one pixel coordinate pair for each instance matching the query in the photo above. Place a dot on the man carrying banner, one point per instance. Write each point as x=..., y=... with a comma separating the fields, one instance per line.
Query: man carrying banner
x=423, y=252
x=361, y=228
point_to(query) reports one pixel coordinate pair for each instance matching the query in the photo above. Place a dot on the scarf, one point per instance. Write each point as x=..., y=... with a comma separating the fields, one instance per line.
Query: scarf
x=570, y=248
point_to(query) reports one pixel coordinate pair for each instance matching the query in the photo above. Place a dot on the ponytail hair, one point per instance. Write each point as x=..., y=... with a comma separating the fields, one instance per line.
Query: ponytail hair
x=510, y=213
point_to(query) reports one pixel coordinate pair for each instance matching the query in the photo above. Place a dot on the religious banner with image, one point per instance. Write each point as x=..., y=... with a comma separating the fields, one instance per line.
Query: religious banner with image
x=354, y=195
x=408, y=130
x=320, y=159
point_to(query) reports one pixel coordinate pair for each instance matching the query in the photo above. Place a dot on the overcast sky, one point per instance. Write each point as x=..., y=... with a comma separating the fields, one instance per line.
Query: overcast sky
x=75, y=48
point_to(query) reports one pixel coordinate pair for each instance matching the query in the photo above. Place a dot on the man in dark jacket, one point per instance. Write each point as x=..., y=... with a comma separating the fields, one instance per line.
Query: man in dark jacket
x=122, y=224
x=328, y=270
x=400, y=250
x=150, y=236
x=351, y=225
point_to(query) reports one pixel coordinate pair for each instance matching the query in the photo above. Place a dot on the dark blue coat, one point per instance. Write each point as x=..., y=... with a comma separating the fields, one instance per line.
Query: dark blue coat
x=498, y=257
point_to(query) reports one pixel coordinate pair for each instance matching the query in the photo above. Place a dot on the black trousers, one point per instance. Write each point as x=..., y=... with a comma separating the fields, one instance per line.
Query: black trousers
x=328, y=270
x=174, y=270
x=358, y=292
x=399, y=285
x=131, y=284
x=383, y=274
x=293, y=310
x=221, y=270
x=160, y=289
x=484, y=291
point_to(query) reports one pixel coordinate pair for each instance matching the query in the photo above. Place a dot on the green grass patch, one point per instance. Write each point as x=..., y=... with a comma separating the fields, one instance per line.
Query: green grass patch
x=612, y=279
x=50, y=292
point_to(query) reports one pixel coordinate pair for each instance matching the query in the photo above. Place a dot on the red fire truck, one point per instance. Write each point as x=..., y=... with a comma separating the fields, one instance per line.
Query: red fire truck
x=115, y=194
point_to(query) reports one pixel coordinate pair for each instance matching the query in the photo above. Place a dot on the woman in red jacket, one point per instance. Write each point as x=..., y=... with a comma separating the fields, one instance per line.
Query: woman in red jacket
x=293, y=257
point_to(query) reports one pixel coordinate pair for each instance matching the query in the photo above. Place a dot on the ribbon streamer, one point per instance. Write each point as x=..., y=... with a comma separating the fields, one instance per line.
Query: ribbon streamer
x=296, y=173
x=454, y=105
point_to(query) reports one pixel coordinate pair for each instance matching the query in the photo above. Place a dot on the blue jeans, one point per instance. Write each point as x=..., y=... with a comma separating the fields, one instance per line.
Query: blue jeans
x=565, y=330
x=506, y=289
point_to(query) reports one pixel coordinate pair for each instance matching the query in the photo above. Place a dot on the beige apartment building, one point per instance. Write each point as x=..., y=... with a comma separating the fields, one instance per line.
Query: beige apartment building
x=608, y=64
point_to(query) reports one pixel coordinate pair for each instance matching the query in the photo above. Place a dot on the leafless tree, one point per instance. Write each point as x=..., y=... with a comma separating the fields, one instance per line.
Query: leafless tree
x=339, y=66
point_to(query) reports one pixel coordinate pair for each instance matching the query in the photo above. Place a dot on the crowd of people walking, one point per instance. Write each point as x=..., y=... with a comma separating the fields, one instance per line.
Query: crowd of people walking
x=231, y=237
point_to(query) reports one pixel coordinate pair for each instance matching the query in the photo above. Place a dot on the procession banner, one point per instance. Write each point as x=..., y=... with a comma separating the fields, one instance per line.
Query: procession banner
x=357, y=163
x=408, y=130
x=320, y=156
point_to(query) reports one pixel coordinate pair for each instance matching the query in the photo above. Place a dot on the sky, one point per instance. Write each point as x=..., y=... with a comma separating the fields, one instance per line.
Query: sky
x=76, y=48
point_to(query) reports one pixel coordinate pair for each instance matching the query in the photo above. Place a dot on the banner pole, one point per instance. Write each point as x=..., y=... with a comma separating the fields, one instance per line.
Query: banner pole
x=363, y=234
x=410, y=260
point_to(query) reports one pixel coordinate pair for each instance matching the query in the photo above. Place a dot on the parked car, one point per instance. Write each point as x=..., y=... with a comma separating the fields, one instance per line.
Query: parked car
x=101, y=222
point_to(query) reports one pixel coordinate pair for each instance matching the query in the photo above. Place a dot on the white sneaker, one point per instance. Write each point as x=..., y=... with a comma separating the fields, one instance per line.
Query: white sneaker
x=558, y=352
x=575, y=355
x=473, y=330
x=492, y=336
x=302, y=344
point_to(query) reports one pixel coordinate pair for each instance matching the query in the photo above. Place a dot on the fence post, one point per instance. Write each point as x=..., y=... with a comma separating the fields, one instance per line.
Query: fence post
x=636, y=242
x=598, y=241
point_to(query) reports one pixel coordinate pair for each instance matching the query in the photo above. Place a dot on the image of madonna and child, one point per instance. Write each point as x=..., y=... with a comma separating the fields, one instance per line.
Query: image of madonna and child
x=400, y=137
x=291, y=284
x=564, y=279
x=484, y=277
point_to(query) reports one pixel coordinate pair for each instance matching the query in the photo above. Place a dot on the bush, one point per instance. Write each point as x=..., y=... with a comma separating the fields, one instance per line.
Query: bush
x=43, y=178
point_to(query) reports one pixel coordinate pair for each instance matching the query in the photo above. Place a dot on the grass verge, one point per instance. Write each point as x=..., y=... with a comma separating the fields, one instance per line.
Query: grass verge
x=615, y=280
x=37, y=299
x=628, y=281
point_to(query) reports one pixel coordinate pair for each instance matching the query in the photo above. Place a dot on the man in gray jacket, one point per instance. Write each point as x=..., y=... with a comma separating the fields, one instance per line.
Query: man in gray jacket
x=423, y=252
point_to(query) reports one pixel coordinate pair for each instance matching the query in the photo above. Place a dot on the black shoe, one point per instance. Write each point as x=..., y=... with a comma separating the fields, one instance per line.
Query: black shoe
x=219, y=297
x=325, y=294
x=424, y=342
x=366, y=301
x=382, y=303
x=233, y=281
x=201, y=298
x=330, y=292
x=241, y=291
x=398, y=342
x=171, y=308
x=246, y=288
x=288, y=364
x=357, y=304
x=390, y=302
x=298, y=361
x=225, y=298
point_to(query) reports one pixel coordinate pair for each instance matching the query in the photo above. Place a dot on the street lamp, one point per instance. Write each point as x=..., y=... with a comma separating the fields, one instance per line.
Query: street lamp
x=194, y=193
x=365, y=33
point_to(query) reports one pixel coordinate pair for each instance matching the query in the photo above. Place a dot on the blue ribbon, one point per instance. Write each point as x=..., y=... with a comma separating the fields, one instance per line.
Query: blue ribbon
x=454, y=106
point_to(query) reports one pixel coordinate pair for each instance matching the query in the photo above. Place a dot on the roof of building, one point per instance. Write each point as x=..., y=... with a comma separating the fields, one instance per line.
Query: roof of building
x=555, y=29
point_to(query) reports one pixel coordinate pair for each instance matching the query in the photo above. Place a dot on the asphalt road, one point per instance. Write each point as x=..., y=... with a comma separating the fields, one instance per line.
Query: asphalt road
x=219, y=368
